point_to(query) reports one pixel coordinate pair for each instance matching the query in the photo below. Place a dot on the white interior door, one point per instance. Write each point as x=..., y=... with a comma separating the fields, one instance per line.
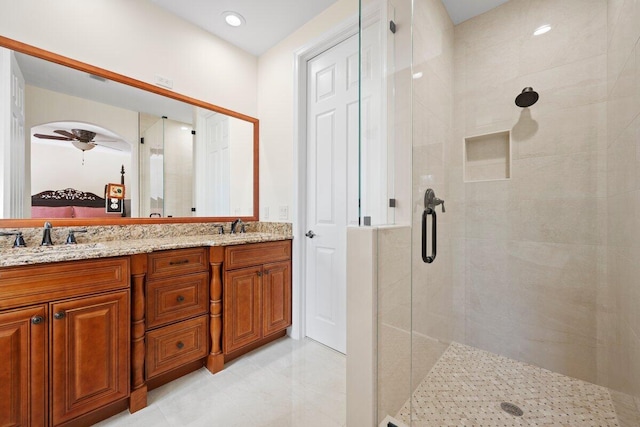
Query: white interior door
x=332, y=132
x=12, y=137
x=212, y=161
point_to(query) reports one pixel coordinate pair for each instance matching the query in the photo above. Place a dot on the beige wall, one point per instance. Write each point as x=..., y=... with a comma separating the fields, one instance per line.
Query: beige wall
x=59, y=167
x=138, y=39
x=533, y=244
x=619, y=300
x=276, y=107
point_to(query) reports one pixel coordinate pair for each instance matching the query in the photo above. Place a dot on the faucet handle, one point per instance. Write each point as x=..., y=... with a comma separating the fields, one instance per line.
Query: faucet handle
x=220, y=228
x=18, y=242
x=71, y=238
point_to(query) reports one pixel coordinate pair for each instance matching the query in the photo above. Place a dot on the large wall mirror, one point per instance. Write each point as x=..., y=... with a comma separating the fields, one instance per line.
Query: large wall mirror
x=75, y=129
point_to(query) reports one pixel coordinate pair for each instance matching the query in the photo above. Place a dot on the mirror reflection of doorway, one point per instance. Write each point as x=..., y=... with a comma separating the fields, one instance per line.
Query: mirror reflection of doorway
x=213, y=165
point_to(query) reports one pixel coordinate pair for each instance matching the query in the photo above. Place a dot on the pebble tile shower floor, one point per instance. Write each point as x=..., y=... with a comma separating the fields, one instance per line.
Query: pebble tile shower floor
x=467, y=386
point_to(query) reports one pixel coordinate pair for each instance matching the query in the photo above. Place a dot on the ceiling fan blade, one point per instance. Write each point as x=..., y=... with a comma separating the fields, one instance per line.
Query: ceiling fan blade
x=59, y=138
x=106, y=146
x=65, y=133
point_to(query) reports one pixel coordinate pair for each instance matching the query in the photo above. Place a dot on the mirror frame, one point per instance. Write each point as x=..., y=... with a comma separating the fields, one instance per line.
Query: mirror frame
x=87, y=68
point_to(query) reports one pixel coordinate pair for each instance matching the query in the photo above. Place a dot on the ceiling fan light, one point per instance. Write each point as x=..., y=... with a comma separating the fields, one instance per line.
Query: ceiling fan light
x=84, y=146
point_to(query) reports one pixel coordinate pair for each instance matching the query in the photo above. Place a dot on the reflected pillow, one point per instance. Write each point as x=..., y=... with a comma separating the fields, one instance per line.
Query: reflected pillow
x=52, y=212
x=85, y=212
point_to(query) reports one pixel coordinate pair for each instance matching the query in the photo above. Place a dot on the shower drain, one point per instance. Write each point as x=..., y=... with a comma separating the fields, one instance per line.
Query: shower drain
x=512, y=409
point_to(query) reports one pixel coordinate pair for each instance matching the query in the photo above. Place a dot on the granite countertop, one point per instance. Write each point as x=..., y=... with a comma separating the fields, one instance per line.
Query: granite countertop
x=57, y=253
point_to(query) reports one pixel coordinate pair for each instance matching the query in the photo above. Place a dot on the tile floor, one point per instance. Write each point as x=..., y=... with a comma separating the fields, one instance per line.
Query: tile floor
x=286, y=383
x=467, y=385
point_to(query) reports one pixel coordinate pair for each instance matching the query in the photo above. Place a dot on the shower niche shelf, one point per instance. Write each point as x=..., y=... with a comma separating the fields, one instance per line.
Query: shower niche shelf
x=487, y=157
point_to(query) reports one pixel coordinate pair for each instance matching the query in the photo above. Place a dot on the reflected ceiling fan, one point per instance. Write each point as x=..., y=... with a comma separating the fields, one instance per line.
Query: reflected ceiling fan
x=80, y=138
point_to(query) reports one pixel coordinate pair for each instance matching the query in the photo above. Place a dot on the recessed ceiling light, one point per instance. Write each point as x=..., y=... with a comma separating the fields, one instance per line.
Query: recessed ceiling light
x=542, y=29
x=233, y=18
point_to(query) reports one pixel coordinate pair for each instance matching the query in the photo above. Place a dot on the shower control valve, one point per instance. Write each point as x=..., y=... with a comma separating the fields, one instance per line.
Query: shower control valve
x=431, y=201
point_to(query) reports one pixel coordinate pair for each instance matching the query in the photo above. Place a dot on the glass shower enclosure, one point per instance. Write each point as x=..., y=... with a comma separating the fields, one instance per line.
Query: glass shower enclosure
x=518, y=302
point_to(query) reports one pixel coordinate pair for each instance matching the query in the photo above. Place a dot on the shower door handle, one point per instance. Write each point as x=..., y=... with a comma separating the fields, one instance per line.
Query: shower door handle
x=434, y=242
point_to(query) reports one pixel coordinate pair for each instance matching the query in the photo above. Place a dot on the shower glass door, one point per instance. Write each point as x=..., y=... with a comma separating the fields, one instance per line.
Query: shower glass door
x=524, y=119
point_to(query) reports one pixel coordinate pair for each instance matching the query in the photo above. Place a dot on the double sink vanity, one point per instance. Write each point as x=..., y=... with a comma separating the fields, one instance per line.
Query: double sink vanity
x=86, y=330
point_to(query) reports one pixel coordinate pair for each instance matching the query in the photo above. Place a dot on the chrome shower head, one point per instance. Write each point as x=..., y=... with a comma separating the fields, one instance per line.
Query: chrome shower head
x=527, y=98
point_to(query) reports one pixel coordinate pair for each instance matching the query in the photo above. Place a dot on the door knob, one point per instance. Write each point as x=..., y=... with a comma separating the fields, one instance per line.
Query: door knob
x=310, y=234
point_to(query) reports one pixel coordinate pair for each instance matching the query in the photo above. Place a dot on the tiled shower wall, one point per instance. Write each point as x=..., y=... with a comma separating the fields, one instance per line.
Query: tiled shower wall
x=534, y=245
x=619, y=308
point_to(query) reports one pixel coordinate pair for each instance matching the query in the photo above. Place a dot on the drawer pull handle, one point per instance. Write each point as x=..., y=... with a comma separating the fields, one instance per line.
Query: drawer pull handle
x=180, y=298
x=59, y=315
x=36, y=320
x=180, y=262
x=180, y=345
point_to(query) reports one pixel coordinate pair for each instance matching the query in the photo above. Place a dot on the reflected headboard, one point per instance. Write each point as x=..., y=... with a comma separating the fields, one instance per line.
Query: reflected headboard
x=67, y=197
x=69, y=203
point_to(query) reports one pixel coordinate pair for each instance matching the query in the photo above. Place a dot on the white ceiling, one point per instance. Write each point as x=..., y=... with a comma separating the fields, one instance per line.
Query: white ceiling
x=461, y=10
x=270, y=21
x=267, y=21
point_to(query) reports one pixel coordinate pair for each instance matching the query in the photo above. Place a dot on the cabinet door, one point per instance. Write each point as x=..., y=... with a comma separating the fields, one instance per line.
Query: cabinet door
x=276, y=283
x=23, y=336
x=242, y=301
x=90, y=354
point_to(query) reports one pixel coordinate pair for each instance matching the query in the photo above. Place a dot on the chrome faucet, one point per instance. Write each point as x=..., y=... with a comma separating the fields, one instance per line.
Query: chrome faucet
x=46, y=235
x=235, y=224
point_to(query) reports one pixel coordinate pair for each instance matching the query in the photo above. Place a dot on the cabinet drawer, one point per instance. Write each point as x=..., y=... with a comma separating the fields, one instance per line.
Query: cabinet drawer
x=175, y=345
x=169, y=300
x=255, y=254
x=176, y=262
x=27, y=285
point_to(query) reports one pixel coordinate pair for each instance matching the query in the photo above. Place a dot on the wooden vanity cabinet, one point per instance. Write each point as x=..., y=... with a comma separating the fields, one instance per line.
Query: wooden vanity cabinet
x=177, y=304
x=23, y=338
x=257, y=294
x=65, y=357
x=89, y=354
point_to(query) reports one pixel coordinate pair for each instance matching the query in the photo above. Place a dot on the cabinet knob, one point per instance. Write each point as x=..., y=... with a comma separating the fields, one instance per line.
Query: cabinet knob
x=59, y=315
x=180, y=345
x=259, y=273
x=180, y=298
x=36, y=320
